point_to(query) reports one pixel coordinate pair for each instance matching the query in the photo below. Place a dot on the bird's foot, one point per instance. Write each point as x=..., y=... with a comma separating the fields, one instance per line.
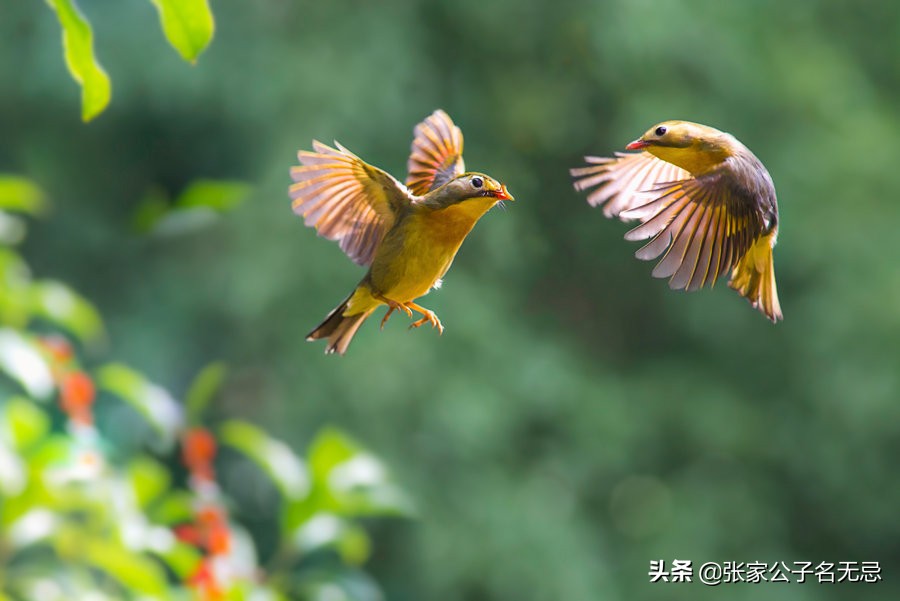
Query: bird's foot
x=392, y=306
x=386, y=315
x=429, y=317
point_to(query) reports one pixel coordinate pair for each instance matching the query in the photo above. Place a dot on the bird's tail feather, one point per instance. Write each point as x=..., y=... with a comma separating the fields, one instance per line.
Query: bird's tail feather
x=754, y=278
x=338, y=328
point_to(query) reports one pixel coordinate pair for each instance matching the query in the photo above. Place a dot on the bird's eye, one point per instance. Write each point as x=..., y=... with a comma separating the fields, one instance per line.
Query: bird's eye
x=477, y=182
x=660, y=131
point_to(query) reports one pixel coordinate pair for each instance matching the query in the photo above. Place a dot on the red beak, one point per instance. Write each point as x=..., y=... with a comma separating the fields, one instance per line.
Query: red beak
x=503, y=193
x=637, y=145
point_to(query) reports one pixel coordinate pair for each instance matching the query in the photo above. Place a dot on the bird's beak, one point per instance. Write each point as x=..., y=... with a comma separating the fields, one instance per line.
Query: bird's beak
x=502, y=193
x=637, y=145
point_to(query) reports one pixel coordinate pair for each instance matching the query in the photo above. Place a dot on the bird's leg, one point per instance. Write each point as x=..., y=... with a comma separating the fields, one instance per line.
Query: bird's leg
x=393, y=306
x=430, y=317
x=386, y=315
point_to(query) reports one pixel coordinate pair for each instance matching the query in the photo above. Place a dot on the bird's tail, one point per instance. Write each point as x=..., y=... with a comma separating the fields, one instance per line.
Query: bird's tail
x=754, y=278
x=338, y=328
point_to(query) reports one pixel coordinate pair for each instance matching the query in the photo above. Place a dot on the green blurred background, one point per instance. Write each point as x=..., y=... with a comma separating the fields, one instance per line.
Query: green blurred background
x=577, y=419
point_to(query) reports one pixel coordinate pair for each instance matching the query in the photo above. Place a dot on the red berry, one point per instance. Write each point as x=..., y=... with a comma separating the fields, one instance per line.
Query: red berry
x=198, y=452
x=77, y=394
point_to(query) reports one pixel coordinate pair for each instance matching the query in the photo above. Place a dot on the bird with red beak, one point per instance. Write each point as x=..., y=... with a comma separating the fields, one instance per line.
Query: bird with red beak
x=704, y=201
x=407, y=235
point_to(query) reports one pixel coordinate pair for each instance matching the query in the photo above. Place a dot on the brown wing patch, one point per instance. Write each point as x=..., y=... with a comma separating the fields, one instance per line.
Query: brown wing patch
x=622, y=182
x=702, y=227
x=346, y=199
x=436, y=154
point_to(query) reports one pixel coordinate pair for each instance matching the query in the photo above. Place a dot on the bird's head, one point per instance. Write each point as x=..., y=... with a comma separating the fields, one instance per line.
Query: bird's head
x=469, y=187
x=691, y=146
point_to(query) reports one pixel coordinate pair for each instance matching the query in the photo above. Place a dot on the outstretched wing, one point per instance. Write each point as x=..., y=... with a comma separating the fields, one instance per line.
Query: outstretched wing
x=436, y=154
x=621, y=182
x=703, y=225
x=346, y=199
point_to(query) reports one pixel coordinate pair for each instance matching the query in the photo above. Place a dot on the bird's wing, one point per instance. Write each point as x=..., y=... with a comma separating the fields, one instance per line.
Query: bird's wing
x=703, y=225
x=436, y=154
x=622, y=182
x=346, y=199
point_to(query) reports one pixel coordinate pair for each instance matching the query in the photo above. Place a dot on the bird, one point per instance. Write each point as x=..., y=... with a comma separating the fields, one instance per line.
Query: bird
x=705, y=202
x=406, y=234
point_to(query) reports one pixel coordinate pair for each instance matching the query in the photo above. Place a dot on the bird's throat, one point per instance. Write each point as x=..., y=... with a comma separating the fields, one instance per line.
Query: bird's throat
x=450, y=225
x=694, y=159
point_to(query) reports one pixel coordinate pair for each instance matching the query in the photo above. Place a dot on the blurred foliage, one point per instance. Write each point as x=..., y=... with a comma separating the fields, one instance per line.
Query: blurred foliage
x=187, y=24
x=82, y=517
x=577, y=419
x=78, y=50
x=199, y=205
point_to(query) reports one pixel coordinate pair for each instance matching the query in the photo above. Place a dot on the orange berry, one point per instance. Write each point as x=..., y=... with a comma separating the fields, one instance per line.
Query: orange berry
x=187, y=533
x=198, y=452
x=218, y=540
x=206, y=583
x=77, y=394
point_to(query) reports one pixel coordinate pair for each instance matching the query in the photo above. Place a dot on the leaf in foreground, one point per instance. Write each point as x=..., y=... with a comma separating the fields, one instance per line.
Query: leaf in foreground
x=78, y=48
x=21, y=195
x=188, y=25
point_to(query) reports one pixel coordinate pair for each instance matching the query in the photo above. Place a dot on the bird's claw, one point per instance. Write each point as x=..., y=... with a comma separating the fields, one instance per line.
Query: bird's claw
x=431, y=318
x=394, y=306
x=386, y=315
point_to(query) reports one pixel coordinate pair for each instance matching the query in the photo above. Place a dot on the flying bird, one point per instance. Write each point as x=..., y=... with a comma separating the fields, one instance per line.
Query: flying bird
x=704, y=201
x=407, y=235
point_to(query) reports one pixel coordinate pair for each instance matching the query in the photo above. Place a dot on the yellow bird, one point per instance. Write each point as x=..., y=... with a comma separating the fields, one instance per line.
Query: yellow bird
x=407, y=236
x=703, y=199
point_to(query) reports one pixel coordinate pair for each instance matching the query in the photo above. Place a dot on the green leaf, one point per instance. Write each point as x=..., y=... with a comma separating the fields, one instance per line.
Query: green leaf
x=181, y=558
x=219, y=195
x=23, y=424
x=53, y=450
x=175, y=507
x=137, y=573
x=274, y=457
x=343, y=584
x=204, y=387
x=177, y=222
x=12, y=472
x=200, y=204
x=20, y=195
x=150, y=210
x=351, y=481
x=149, y=479
x=150, y=400
x=23, y=362
x=15, y=281
x=12, y=229
x=324, y=530
x=330, y=447
x=30, y=526
x=188, y=25
x=78, y=47
x=58, y=304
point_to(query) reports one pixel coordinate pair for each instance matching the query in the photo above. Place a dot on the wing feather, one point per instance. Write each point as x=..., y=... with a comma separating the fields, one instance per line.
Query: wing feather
x=700, y=226
x=346, y=199
x=674, y=255
x=708, y=237
x=622, y=183
x=697, y=226
x=435, y=155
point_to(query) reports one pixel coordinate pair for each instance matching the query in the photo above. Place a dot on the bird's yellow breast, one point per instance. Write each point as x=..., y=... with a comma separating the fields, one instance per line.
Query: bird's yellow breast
x=420, y=249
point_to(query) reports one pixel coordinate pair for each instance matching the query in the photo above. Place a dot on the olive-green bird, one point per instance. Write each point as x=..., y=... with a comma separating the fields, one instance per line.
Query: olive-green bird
x=407, y=234
x=703, y=199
